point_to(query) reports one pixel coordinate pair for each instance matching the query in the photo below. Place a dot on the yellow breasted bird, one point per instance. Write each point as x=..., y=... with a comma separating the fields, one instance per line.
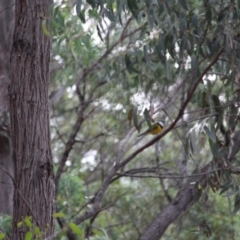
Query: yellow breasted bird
x=155, y=129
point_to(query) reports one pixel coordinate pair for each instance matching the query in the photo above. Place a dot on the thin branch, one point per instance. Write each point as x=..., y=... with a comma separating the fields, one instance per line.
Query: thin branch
x=7, y=7
x=69, y=146
x=164, y=176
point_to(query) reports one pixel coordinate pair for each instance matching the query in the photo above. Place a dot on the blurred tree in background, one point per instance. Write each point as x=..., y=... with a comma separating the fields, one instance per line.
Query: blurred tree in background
x=118, y=66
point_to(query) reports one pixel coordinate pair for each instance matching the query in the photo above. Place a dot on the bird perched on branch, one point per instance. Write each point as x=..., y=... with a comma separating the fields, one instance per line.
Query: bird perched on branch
x=155, y=129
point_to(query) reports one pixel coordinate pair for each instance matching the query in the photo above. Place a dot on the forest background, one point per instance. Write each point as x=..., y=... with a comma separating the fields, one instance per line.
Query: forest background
x=115, y=68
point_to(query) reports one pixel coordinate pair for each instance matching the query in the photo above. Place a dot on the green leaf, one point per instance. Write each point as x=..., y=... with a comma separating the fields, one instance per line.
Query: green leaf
x=208, y=15
x=161, y=51
x=148, y=87
x=215, y=48
x=92, y=3
x=20, y=224
x=183, y=46
x=226, y=187
x=211, y=133
x=147, y=117
x=76, y=48
x=219, y=110
x=37, y=231
x=128, y=61
x=183, y=4
x=169, y=44
x=230, y=193
x=28, y=222
x=28, y=235
x=233, y=116
x=109, y=15
x=130, y=116
x=143, y=32
x=86, y=40
x=81, y=14
x=133, y=7
x=120, y=9
x=192, y=142
x=58, y=214
x=2, y=236
x=78, y=6
x=194, y=66
x=99, y=33
x=213, y=146
x=135, y=119
x=236, y=204
x=98, y=233
x=129, y=65
x=146, y=57
x=75, y=229
x=222, y=152
x=60, y=20
x=195, y=24
x=44, y=28
x=169, y=73
x=93, y=13
x=182, y=26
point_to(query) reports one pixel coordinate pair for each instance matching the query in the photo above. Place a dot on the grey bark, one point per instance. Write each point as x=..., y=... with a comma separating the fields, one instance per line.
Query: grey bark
x=6, y=163
x=29, y=80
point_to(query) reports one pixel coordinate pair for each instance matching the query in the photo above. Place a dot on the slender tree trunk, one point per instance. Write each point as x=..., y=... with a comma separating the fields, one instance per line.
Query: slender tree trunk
x=33, y=173
x=6, y=163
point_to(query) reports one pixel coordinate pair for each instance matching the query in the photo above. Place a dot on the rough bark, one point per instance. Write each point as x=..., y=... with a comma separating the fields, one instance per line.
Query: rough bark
x=185, y=198
x=6, y=184
x=33, y=173
x=6, y=163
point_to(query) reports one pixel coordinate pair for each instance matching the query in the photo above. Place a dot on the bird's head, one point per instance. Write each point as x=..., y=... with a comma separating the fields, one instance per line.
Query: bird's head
x=161, y=122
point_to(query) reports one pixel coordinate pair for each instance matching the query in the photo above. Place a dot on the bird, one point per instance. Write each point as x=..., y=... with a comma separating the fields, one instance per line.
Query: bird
x=155, y=129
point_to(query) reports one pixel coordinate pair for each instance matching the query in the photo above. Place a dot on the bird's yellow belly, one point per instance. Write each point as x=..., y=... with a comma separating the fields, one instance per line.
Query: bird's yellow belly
x=156, y=130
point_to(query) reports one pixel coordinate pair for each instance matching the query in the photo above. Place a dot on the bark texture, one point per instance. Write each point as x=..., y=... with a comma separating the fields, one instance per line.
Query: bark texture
x=6, y=184
x=33, y=173
x=6, y=163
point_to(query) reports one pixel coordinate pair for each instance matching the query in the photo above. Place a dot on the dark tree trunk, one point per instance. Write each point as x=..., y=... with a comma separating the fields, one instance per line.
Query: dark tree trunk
x=33, y=173
x=6, y=163
x=6, y=184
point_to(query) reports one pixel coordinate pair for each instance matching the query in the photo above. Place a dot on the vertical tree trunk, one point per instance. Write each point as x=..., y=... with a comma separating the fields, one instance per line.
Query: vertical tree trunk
x=6, y=163
x=34, y=191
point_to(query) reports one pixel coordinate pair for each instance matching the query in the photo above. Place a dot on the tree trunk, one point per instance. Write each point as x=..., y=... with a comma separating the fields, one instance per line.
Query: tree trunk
x=6, y=184
x=33, y=172
x=6, y=163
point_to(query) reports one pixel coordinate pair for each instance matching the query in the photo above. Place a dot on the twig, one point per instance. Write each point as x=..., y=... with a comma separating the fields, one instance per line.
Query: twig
x=7, y=7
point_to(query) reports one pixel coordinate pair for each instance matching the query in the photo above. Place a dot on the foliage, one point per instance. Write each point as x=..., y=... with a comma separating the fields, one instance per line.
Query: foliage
x=6, y=224
x=121, y=63
x=70, y=195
